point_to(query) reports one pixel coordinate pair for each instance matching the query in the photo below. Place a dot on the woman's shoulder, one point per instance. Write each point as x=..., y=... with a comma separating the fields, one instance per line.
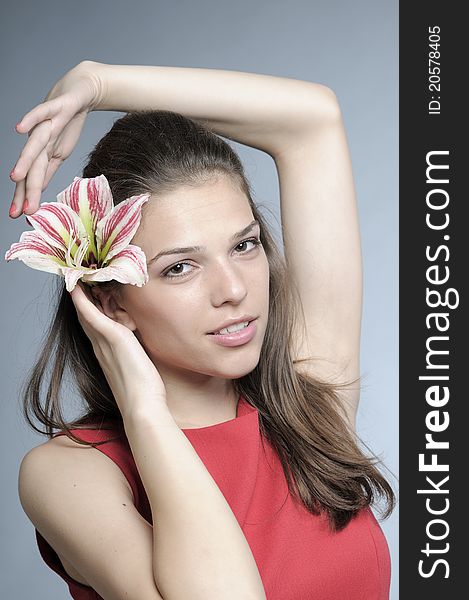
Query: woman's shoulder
x=64, y=461
x=81, y=504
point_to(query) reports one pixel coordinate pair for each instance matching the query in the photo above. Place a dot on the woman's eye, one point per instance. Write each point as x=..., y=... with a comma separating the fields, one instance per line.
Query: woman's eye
x=175, y=272
x=254, y=241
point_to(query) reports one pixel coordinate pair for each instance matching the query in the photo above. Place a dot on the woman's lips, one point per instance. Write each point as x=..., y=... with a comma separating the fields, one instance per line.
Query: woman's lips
x=235, y=339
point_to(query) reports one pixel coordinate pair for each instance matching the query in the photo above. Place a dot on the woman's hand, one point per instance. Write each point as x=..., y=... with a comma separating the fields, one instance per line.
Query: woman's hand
x=132, y=376
x=53, y=128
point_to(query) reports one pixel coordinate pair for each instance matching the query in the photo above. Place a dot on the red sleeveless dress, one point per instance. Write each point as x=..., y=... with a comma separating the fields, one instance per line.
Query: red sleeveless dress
x=297, y=556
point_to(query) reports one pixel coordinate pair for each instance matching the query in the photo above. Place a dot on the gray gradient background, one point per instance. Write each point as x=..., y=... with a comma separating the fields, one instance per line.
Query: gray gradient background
x=350, y=46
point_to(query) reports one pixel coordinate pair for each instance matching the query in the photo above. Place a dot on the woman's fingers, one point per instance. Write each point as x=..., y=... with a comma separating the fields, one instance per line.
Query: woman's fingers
x=37, y=142
x=34, y=183
x=88, y=314
x=41, y=112
x=34, y=169
x=44, y=128
x=16, y=209
x=84, y=303
x=32, y=186
x=95, y=323
x=54, y=164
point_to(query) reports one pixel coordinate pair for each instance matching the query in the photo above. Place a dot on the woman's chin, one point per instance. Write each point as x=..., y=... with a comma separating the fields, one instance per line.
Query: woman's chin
x=238, y=368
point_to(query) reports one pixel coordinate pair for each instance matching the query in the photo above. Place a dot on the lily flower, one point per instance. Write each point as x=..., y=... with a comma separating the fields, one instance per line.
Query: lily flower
x=84, y=236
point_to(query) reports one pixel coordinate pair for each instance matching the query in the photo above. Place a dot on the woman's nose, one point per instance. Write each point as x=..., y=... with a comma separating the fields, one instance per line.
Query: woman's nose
x=227, y=284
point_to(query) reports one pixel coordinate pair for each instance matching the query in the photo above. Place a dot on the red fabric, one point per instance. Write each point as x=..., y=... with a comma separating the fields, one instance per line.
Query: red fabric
x=296, y=554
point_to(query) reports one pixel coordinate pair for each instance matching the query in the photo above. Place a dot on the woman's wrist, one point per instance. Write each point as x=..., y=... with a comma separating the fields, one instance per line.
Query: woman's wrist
x=115, y=86
x=96, y=73
x=153, y=413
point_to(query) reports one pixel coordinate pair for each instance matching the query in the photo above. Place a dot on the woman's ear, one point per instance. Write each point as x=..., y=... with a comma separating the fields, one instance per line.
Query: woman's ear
x=107, y=300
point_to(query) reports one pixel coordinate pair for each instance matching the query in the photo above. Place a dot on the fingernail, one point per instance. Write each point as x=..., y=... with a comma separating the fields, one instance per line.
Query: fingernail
x=25, y=205
x=12, y=209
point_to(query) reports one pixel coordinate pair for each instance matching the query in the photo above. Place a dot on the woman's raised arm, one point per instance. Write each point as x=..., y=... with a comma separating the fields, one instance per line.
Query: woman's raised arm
x=261, y=111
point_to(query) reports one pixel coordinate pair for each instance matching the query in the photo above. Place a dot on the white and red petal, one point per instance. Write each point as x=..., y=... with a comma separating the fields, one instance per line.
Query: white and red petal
x=115, y=231
x=57, y=223
x=41, y=264
x=72, y=276
x=33, y=247
x=128, y=266
x=91, y=199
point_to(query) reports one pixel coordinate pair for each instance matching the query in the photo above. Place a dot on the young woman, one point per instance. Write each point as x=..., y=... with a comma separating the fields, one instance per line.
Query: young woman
x=207, y=465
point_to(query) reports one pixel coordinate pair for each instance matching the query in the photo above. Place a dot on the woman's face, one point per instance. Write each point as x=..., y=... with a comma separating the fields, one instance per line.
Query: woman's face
x=191, y=293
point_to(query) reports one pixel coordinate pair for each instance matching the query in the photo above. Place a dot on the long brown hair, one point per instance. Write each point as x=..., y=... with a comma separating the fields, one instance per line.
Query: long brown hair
x=301, y=416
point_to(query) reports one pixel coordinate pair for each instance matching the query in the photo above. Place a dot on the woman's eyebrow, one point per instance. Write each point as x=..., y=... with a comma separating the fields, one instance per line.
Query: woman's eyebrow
x=186, y=249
